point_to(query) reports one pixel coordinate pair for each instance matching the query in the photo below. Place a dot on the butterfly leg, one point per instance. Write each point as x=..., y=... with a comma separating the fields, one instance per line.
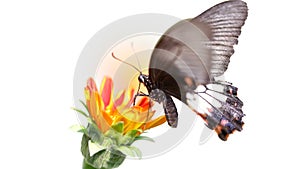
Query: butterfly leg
x=134, y=100
x=139, y=94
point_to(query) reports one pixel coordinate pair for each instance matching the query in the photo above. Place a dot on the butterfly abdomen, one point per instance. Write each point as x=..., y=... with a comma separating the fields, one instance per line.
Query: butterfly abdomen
x=168, y=104
x=170, y=111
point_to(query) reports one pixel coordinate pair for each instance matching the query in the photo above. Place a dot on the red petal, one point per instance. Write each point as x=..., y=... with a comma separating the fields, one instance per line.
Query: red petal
x=120, y=99
x=91, y=85
x=131, y=97
x=106, y=90
x=144, y=102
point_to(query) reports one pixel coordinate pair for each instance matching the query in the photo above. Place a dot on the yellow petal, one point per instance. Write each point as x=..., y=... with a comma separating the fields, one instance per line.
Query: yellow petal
x=98, y=114
x=129, y=98
x=143, y=114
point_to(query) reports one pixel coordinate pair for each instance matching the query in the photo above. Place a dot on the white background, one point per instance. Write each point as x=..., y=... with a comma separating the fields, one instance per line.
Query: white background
x=40, y=42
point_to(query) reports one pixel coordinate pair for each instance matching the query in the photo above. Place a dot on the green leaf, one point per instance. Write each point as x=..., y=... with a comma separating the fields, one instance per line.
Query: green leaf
x=143, y=138
x=78, y=128
x=115, y=136
x=94, y=133
x=132, y=133
x=137, y=151
x=130, y=151
x=80, y=111
x=116, y=159
x=85, y=146
x=119, y=127
x=126, y=140
x=126, y=150
x=129, y=137
x=106, y=159
x=90, y=121
x=95, y=147
x=96, y=160
x=85, y=165
x=108, y=142
x=86, y=108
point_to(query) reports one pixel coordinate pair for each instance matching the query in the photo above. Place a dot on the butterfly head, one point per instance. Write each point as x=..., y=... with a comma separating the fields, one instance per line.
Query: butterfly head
x=144, y=79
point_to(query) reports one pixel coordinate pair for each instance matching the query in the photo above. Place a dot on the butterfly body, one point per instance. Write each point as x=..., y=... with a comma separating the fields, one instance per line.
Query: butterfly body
x=160, y=96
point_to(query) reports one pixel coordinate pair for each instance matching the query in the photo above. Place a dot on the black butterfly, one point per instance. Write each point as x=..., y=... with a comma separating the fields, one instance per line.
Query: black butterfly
x=194, y=52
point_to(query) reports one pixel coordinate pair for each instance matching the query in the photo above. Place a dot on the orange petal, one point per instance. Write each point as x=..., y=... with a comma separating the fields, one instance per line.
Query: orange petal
x=106, y=122
x=156, y=122
x=93, y=106
x=106, y=90
x=128, y=124
x=118, y=119
x=87, y=97
x=88, y=90
x=144, y=114
x=132, y=126
x=131, y=120
x=97, y=113
x=131, y=115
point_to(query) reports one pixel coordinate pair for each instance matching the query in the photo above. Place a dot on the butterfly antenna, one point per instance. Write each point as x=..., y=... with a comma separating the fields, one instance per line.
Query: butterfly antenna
x=137, y=59
x=139, y=64
x=125, y=62
x=138, y=91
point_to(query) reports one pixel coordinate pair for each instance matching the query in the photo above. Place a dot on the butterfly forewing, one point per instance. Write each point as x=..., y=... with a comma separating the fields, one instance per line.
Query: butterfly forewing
x=224, y=22
x=199, y=48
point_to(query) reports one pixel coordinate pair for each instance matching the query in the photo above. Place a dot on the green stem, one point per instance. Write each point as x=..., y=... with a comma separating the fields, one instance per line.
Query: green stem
x=106, y=153
x=86, y=165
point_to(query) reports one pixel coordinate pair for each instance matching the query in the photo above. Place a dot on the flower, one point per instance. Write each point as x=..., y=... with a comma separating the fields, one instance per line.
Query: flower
x=106, y=111
x=113, y=125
